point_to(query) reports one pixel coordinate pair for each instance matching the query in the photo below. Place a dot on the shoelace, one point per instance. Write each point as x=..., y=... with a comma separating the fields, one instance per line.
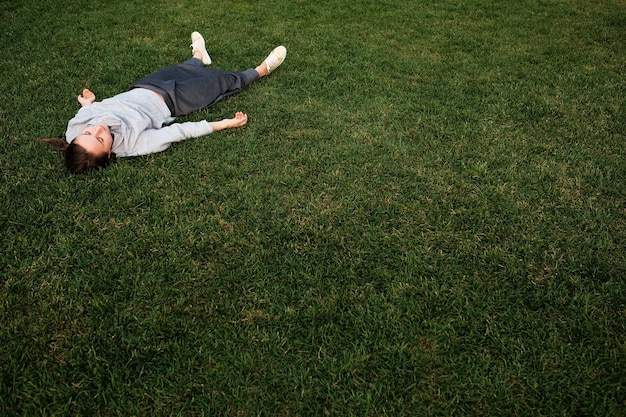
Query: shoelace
x=271, y=61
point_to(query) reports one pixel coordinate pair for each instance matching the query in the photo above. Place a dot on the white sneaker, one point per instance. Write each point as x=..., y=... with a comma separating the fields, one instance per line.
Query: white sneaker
x=197, y=44
x=275, y=58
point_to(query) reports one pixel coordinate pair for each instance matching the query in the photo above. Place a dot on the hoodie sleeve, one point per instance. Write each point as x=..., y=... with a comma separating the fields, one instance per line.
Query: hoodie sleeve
x=158, y=140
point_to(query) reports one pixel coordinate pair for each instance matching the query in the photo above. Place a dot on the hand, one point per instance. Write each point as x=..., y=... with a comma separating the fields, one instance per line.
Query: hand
x=87, y=98
x=240, y=119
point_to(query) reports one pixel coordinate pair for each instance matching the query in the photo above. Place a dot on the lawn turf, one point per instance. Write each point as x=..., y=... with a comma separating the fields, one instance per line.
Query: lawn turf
x=424, y=216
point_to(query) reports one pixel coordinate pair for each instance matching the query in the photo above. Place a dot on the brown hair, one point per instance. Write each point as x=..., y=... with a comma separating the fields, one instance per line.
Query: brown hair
x=77, y=159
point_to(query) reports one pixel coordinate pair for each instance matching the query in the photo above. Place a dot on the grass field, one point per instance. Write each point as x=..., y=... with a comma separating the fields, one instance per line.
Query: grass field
x=425, y=215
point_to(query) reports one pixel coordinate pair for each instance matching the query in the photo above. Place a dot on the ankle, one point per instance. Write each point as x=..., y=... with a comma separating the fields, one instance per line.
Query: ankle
x=262, y=69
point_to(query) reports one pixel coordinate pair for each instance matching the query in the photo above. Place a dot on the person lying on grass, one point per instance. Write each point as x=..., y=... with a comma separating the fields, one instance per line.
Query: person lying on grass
x=139, y=121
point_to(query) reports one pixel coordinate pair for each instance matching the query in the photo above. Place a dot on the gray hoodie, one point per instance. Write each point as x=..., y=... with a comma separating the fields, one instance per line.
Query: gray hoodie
x=140, y=122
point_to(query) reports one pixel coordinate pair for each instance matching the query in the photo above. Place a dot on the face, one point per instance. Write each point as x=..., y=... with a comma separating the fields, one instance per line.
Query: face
x=95, y=139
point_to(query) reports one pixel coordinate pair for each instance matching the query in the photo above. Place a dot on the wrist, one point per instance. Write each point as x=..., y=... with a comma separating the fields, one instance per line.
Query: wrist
x=220, y=125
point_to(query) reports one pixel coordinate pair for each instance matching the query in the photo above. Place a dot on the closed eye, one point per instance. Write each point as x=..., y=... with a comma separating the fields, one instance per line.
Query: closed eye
x=98, y=138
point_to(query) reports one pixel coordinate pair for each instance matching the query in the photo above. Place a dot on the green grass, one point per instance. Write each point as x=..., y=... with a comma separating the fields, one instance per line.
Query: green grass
x=426, y=214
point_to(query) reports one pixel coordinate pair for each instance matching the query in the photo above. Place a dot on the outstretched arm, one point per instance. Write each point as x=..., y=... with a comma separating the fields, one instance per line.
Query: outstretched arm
x=157, y=140
x=87, y=98
x=240, y=119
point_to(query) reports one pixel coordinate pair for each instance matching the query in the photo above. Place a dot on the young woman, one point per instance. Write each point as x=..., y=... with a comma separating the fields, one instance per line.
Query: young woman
x=139, y=121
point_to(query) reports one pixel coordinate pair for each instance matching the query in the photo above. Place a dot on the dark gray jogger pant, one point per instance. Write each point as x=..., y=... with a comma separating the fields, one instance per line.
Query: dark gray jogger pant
x=191, y=86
